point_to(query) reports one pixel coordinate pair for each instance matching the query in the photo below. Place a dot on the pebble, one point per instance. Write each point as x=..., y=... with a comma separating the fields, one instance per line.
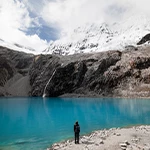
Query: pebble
x=123, y=145
x=84, y=141
x=118, y=134
x=134, y=140
x=56, y=147
x=101, y=142
x=126, y=142
x=68, y=141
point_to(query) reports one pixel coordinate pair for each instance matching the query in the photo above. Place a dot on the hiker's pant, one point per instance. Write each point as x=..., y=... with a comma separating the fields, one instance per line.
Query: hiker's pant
x=77, y=138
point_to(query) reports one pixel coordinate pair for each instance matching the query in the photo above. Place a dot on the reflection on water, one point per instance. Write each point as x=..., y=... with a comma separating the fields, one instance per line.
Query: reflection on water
x=36, y=123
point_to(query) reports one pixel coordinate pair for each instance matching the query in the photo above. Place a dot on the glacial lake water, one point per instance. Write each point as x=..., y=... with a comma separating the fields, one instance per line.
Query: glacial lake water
x=36, y=123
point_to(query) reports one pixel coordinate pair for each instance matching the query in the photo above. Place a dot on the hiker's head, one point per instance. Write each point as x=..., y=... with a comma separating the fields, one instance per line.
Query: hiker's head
x=77, y=122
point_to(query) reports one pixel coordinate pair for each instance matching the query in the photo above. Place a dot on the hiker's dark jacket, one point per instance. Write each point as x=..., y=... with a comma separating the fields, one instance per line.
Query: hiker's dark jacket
x=76, y=128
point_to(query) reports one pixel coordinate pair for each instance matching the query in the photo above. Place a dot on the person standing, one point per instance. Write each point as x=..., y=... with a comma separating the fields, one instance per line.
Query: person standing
x=76, y=132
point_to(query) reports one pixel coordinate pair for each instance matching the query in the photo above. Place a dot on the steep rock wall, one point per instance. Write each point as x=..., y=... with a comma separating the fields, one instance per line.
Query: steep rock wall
x=111, y=73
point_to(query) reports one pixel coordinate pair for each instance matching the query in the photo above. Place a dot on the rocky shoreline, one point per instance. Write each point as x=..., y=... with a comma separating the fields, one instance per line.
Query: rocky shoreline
x=132, y=138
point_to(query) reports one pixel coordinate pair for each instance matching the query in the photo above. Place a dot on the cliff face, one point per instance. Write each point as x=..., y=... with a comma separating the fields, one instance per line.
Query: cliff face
x=111, y=73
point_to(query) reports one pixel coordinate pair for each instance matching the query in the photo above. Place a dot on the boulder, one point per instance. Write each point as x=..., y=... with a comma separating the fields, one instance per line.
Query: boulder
x=144, y=39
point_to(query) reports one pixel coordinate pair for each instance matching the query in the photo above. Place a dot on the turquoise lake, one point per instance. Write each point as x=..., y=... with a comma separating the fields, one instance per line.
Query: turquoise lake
x=36, y=123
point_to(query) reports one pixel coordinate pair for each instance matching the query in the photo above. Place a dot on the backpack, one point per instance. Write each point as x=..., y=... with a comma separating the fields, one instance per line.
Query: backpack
x=77, y=129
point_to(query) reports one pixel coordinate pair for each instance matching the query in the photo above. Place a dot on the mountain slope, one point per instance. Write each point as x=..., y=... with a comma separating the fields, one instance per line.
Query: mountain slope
x=110, y=73
x=101, y=37
x=14, y=67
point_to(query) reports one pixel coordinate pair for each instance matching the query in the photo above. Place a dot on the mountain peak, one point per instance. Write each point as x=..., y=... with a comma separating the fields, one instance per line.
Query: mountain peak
x=101, y=36
x=94, y=37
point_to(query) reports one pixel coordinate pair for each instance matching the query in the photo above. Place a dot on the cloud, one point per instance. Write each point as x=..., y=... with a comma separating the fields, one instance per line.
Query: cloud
x=71, y=13
x=19, y=17
x=15, y=21
x=68, y=14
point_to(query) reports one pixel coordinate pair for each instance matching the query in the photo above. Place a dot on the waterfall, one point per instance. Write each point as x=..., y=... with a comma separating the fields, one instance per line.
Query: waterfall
x=44, y=94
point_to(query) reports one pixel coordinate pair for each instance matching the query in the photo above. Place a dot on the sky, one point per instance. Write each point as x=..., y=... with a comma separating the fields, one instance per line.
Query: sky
x=34, y=23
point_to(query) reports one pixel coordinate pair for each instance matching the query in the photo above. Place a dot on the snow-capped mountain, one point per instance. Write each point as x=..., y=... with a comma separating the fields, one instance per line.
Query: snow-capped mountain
x=93, y=37
x=101, y=37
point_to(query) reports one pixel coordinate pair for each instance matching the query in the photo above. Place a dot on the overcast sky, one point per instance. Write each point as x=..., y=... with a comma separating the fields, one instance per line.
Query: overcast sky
x=34, y=23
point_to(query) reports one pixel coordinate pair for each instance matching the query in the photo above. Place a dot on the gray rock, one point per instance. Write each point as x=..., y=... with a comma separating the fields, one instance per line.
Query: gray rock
x=127, y=143
x=101, y=142
x=13, y=63
x=131, y=48
x=123, y=145
x=111, y=73
x=144, y=39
